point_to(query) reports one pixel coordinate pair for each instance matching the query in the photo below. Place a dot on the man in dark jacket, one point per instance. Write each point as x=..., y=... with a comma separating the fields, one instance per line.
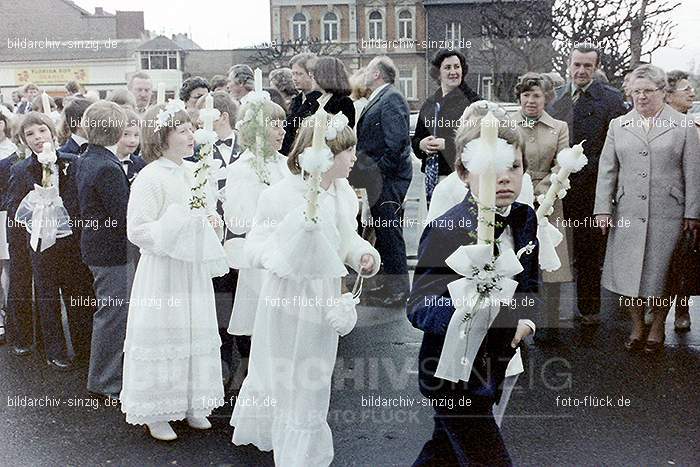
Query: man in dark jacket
x=384, y=168
x=587, y=106
x=303, y=104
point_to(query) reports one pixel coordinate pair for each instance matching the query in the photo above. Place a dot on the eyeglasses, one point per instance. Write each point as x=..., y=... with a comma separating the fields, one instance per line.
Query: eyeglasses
x=644, y=92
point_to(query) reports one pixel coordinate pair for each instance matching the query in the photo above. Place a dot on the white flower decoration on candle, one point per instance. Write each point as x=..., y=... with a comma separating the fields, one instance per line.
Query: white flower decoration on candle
x=503, y=159
x=258, y=97
x=316, y=160
x=171, y=108
x=202, y=136
x=336, y=125
x=47, y=155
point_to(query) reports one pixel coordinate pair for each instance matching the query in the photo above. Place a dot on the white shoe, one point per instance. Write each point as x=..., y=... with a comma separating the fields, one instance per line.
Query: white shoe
x=199, y=423
x=162, y=431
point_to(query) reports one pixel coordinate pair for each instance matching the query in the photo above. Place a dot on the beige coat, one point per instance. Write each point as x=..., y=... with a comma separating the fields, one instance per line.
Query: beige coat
x=648, y=182
x=543, y=141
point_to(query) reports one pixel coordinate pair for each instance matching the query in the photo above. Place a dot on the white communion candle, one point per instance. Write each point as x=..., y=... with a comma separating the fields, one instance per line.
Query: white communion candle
x=487, y=182
x=258, y=80
x=160, y=97
x=45, y=103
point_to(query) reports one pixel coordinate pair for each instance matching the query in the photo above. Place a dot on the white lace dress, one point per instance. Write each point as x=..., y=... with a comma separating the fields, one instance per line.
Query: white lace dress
x=172, y=365
x=243, y=189
x=283, y=402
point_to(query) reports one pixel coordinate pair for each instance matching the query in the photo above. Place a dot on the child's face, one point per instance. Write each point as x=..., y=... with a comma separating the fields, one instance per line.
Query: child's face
x=509, y=183
x=129, y=141
x=275, y=134
x=342, y=163
x=181, y=140
x=35, y=137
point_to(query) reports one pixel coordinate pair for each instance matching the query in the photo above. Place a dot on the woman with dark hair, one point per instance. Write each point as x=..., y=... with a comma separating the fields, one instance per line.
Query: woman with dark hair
x=192, y=89
x=331, y=79
x=545, y=137
x=433, y=141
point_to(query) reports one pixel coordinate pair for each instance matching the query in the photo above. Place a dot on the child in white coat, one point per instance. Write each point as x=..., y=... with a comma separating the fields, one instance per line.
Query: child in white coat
x=283, y=403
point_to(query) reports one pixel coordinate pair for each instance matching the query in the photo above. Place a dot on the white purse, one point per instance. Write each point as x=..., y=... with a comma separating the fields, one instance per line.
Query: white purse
x=342, y=316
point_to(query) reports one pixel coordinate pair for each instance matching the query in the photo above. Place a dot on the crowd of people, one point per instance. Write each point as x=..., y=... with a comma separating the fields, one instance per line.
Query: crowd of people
x=98, y=199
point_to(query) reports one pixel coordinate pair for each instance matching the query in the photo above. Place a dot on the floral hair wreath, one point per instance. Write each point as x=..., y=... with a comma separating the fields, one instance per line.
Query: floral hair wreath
x=336, y=125
x=171, y=109
x=256, y=99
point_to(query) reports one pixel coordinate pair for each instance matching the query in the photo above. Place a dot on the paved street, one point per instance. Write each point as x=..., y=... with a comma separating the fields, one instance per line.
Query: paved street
x=653, y=419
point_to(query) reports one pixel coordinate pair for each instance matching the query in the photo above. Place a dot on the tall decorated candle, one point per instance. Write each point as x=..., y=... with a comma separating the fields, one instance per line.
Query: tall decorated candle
x=160, y=96
x=260, y=136
x=318, y=145
x=487, y=182
x=45, y=103
x=208, y=118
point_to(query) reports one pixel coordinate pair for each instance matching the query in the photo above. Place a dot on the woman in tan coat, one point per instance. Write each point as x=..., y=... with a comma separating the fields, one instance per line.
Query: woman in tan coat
x=647, y=195
x=544, y=138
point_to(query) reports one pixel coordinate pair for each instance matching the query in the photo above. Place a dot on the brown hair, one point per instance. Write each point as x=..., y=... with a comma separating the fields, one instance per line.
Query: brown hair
x=222, y=103
x=154, y=142
x=123, y=98
x=132, y=119
x=29, y=86
x=530, y=80
x=35, y=118
x=302, y=60
x=104, y=123
x=330, y=75
x=344, y=140
x=8, y=123
x=38, y=104
x=470, y=130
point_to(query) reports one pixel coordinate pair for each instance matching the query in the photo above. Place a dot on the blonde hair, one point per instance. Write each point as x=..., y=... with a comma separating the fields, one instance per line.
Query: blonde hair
x=357, y=83
x=155, y=142
x=344, y=140
x=248, y=130
x=104, y=123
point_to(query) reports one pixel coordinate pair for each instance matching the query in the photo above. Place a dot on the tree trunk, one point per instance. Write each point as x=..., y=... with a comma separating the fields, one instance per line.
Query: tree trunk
x=636, y=31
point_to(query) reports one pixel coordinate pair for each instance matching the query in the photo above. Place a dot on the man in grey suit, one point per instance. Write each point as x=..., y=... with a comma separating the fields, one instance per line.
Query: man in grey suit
x=384, y=168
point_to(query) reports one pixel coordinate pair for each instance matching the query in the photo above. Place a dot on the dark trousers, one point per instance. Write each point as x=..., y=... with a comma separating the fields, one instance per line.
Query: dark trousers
x=19, y=322
x=59, y=272
x=465, y=436
x=224, y=293
x=112, y=289
x=387, y=217
x=589, y=249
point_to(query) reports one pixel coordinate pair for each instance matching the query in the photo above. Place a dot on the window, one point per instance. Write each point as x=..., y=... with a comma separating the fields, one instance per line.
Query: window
x=159, y=60
x=376, y=25
x=330, y=27
x=407, y=83
x=486, y=43
x=405, y=25
x=486, y=87
x=299, y=26
x=453, y=32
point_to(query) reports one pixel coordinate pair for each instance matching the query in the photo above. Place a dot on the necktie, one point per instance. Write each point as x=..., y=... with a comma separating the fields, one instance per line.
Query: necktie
x=126, y=165
x=225, y=142
x=576, y=95
x=432, y=164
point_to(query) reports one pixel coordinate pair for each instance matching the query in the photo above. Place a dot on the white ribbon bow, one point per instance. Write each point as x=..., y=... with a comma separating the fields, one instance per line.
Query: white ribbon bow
x=549, y=237
x=47, y=210
x=477, y=298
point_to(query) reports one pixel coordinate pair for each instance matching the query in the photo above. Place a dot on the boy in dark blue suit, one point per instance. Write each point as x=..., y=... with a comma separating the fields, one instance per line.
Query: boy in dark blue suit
x=469, y=435
x=73, y=113
x=102, y=183
x=57, y=270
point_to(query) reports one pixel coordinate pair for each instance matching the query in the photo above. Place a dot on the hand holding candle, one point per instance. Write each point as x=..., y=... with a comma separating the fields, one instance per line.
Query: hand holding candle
x=569, y=160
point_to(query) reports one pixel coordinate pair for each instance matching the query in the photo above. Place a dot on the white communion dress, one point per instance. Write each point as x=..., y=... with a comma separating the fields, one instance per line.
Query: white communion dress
x=172, y=365
x=243, y=189
x=283, y=403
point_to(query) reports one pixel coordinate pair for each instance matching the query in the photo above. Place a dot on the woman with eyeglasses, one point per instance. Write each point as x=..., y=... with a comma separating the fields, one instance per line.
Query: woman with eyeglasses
x=647, y=197
x=544, y=138
x=685, y=279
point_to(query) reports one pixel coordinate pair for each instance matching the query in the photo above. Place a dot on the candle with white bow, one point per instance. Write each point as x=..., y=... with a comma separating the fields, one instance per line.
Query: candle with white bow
x=160, y=96
x=569, y=160
x=487, y=182
x=47, y=157
x=46, y=103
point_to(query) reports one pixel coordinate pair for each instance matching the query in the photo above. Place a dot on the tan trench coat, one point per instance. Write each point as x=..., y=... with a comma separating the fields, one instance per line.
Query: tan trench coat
x=543, y=141
x=649, y=182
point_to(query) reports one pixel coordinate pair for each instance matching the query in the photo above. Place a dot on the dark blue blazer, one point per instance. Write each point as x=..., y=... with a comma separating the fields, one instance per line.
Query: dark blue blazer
x=71, y=147
x=137, y=163
x=103, y=191
x=5, y=166
x=383, y=143
x=28, y=172
x=430, y=310
x=588, y=120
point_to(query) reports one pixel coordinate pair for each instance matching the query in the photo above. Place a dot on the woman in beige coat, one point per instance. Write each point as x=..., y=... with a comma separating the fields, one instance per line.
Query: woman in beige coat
x=647, y=194
x=544, y=138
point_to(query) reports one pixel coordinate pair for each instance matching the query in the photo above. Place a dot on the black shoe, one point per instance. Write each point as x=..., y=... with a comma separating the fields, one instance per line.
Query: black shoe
x=58, y=364
x=21, y=351
x=634, y=345
x=653, y=347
